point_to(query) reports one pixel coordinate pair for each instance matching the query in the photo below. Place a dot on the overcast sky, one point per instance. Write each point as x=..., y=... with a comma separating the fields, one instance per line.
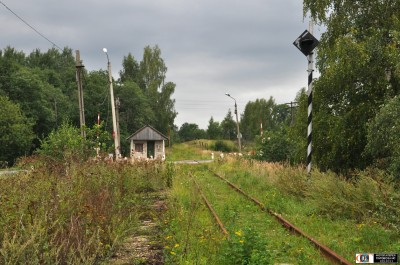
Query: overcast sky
x=210, y=47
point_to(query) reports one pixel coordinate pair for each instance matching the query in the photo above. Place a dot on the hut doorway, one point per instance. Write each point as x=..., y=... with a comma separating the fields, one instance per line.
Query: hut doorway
x=150, y=149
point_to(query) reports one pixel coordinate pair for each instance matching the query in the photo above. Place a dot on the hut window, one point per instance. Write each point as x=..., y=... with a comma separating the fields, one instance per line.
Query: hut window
x=139, y=148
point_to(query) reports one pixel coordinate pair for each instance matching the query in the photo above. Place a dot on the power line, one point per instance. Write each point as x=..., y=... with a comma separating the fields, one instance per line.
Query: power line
x=26, y=23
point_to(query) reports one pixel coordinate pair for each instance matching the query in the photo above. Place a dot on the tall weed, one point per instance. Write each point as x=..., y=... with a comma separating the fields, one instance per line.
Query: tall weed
x=77, y=217
x=369, y=194
x=367, y=197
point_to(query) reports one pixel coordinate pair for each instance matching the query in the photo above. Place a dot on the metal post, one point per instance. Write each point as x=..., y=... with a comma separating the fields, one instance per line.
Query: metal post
x=306, y=43
x=115, y=130
x=237, y=123
x=238, y=131
x=310, y=70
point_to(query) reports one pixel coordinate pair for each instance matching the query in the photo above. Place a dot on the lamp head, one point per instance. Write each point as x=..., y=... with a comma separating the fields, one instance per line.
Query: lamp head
x=227, y=94
x=105, y=50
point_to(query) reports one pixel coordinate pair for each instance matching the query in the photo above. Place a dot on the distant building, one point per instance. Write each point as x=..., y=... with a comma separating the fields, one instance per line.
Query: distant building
x=147, y=142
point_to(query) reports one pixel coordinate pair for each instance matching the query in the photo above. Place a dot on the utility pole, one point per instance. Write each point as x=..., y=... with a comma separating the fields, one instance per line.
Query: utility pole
x=117, y=105
x=237, y=127
x=292, y=105
x=56, y=111
x=237, y=123
x=98, y=141
x=169, y=136
x=79, y=67
x=115, y=130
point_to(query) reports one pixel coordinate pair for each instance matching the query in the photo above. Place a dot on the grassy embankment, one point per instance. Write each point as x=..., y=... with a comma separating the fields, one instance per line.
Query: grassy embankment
x=196, y=150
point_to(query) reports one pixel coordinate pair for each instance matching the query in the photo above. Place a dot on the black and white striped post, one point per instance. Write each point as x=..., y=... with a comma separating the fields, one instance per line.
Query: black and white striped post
x=306, y=44
x=309, y=110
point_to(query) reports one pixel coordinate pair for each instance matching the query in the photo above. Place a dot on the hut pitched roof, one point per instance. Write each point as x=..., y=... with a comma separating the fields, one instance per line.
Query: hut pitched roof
x=147, y=133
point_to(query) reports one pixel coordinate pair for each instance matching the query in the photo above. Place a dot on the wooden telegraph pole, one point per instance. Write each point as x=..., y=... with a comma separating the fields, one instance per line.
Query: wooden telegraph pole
x=79, y=67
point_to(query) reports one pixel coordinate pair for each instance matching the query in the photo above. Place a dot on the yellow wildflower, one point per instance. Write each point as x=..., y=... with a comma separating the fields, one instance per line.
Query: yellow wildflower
x=176, y=245
x=238, y=233
x=173, y=253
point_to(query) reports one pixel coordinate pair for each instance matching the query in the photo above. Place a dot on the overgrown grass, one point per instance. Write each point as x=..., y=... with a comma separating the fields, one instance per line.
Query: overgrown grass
x=190, y=235
x=78, y=213
x=349, y=217
x=255, y=238
x=196, y=150
x=199, y=149
x=72, y=214
x=224, y=146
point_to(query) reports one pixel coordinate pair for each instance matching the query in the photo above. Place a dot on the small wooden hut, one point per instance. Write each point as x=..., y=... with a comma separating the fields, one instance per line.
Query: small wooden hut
x=147, y=143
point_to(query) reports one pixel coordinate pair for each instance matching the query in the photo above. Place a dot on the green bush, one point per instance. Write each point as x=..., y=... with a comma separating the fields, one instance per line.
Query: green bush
x=64, y=143
x=222, y=146
x=274, y=146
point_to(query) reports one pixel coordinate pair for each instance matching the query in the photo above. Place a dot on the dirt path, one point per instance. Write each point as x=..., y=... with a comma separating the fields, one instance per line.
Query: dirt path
x=144, y=246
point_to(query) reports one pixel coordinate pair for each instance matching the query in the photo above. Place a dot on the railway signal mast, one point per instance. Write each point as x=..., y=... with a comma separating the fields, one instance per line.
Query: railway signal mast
x=306, y=43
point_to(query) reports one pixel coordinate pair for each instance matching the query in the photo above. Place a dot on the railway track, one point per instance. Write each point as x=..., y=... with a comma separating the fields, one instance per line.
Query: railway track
x=326, y=252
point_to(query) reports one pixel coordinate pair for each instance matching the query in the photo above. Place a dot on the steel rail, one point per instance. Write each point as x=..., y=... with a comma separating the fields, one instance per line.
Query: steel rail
x=330, y=254
x=209, y=206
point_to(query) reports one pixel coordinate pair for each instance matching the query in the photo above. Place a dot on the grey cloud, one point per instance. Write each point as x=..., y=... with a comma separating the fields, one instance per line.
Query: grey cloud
x=209, y=46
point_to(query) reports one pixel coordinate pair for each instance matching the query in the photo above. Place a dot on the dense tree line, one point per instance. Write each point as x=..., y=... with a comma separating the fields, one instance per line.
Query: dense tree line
x=356, y=98
x=38, y=92
x=358, y=58
x=355, y=108
x=258, y=118
x=215, y=130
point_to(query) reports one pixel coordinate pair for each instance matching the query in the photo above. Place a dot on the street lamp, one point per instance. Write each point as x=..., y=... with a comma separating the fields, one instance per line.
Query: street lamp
x=115, y=130
x=237, y=123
